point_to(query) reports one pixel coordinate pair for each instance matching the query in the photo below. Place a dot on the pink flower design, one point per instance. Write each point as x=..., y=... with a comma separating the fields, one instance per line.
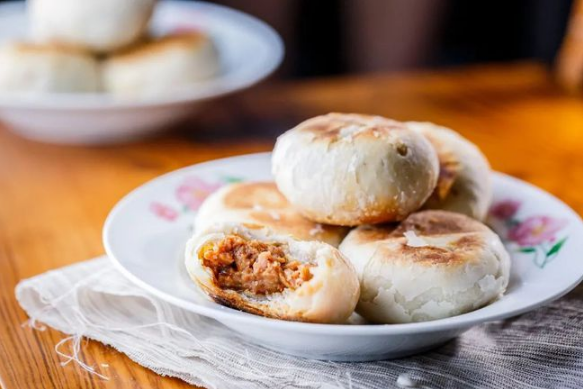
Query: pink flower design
x=181, y=29
x=164, y=211
x=536, y=230
x=194, y=191
x=505, y=209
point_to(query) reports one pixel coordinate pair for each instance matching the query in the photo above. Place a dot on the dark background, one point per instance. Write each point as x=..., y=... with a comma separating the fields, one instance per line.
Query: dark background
x=325, y=37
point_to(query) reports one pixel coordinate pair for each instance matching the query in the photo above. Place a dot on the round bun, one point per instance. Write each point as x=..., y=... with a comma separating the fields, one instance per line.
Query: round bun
x=434, y=265
x=464, y=183
x=161, y=66
x=252, y=269
x=260, y=203
x=31, y=69
x=97, y=25
x=349, y=169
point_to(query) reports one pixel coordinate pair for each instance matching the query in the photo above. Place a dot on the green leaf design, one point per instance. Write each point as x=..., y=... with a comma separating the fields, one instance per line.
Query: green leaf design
x=556, y=247
x=527, y=250
x=231, y=180
x=512, y=222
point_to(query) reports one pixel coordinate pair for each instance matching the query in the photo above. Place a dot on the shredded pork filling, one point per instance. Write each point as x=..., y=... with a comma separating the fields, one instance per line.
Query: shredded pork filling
x=254, y=266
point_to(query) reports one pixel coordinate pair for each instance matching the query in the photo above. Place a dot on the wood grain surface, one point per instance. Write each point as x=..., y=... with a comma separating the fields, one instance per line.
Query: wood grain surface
x=53, y=200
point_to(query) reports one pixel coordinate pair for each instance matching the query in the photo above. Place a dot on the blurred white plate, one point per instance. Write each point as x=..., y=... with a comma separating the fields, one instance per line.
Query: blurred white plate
x=249, y=51
x=145, y=234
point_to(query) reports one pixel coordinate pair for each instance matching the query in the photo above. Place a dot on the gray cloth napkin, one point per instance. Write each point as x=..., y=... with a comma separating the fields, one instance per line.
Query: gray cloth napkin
x=542, y=349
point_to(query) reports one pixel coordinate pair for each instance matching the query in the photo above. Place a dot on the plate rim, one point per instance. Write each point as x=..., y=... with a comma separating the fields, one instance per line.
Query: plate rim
x=220, y=314
x=101, y=101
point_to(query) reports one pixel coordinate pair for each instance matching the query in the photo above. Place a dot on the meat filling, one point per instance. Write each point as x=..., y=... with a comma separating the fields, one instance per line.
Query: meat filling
x=254, y=266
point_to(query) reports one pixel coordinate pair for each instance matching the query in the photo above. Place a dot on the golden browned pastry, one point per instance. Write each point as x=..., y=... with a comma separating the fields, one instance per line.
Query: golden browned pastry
x=262, y=204
x=161, y=66
x=253, y=269
x=97, y=25
x=464, y=183
x=433, y=265
x=31, y=68
x=350, y=169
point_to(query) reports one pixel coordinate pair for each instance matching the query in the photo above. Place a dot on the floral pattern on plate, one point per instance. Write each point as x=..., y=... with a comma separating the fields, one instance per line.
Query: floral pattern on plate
x=536, y=235
x=190, y=195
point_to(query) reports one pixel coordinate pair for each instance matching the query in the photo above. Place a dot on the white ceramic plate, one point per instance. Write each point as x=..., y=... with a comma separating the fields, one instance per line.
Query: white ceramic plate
x=249, y=50
x=145, y=234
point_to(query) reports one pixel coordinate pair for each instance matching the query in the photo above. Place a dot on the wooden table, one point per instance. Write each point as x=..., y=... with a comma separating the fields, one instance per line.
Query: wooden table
x=53, y=200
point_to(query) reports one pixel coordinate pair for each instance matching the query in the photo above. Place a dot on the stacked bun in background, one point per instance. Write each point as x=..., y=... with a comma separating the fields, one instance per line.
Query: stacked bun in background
x=414, y=194
x=102, y=46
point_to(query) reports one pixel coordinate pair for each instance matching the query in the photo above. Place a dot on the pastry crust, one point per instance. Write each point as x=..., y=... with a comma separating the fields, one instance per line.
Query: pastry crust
x=261, y=203
x=350, y=169
x=32, y=68
x=464, y=183
x=97, y=25
x=433, y=265
x=329, y=295
x=161, y=65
